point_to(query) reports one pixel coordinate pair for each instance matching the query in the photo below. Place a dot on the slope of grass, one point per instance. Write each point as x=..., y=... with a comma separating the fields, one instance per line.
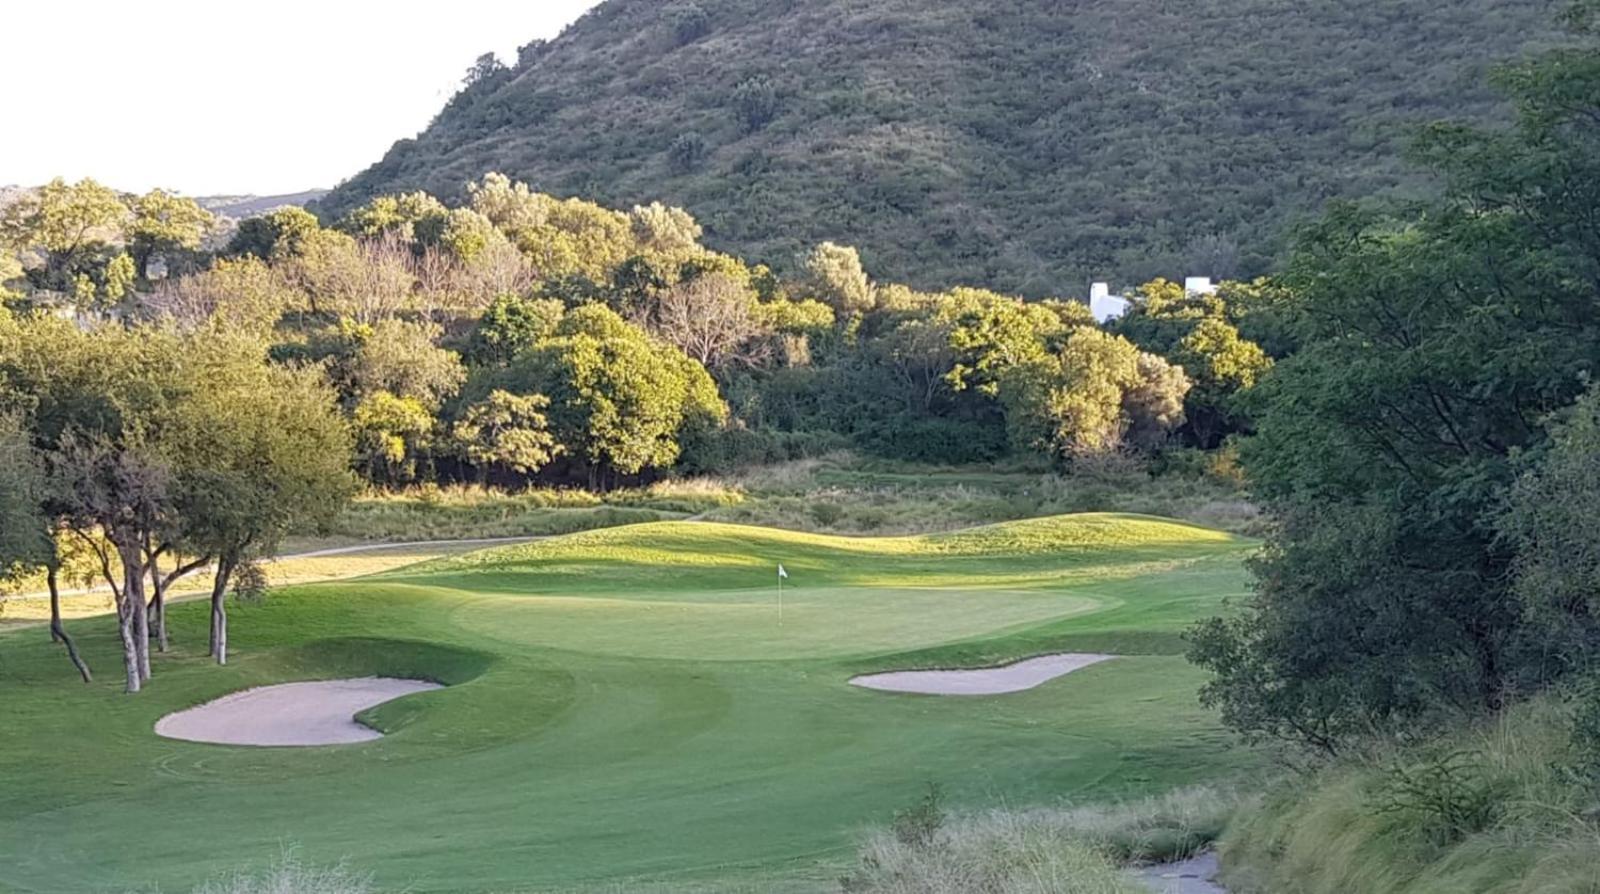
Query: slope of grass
x=625, y=710
x=1499, y=808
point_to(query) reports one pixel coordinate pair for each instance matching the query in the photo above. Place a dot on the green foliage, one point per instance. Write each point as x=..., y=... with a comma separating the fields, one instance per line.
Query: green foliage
x=836, y=277
x=277, y=234
x=618, y=399
x=164, y=224
x=1550, y=518
x=1443, y=797
x=511, y=325
x=508, y=430
x=390, y=432
x=755, y=103
x=1488, y=807
x=23, y=538
x=1430, y=352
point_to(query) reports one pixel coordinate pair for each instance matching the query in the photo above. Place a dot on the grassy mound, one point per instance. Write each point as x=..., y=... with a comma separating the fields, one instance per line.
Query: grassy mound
x=626, y=708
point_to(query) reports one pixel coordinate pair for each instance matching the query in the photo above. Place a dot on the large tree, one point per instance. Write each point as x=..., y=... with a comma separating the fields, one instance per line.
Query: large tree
x=619, y=399
x=1432, y=350
x=261, y=452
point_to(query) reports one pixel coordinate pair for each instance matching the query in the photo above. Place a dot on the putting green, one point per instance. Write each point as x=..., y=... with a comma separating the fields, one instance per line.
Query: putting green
x=624, y=705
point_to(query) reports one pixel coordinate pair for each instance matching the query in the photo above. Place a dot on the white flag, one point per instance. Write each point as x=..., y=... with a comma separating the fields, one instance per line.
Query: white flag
x=782, y=575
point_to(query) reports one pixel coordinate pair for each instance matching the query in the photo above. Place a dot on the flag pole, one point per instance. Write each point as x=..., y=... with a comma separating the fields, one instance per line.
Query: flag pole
x=780, y=595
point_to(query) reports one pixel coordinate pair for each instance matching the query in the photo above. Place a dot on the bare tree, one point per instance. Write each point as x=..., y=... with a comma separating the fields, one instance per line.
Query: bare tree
x=711, y=319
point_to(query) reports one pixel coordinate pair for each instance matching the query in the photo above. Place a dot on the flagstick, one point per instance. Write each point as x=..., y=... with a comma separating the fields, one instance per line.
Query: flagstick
x=780, y=600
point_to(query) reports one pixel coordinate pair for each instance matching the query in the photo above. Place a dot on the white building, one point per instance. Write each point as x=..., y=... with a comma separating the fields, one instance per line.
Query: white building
x=1107, y=307
x=1104, y=305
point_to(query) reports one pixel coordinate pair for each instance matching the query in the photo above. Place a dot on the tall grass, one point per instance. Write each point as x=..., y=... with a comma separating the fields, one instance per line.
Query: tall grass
x=289, y=876
x=1498, y=808
x=467, y=511
x=841, y=493
x=1068, y=849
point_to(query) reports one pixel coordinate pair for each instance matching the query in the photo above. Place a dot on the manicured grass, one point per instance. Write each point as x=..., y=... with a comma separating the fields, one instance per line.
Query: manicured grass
x=624, y=705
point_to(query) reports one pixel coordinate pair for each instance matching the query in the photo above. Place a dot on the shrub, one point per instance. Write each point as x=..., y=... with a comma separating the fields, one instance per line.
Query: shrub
x=688, y=152
x=755, y=103
x=1444, y=797
x=689, y=22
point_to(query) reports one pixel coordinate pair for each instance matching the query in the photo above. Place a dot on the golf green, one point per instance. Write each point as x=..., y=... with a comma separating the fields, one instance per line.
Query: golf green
x=625, y=705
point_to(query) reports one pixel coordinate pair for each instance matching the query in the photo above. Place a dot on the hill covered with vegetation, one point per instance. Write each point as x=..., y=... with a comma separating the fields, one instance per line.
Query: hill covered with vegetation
x=1027, y=145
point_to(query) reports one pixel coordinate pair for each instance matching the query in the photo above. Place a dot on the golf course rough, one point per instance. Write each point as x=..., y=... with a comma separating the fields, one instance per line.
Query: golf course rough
x=623, y=705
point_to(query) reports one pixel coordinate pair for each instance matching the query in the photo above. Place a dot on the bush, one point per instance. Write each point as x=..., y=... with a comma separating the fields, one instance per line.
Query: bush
x=755, y=103
x=1443, y=797
x=689, y=22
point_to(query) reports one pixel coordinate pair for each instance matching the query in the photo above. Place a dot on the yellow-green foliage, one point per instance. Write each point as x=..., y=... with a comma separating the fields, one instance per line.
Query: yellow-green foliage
x=1346, y=829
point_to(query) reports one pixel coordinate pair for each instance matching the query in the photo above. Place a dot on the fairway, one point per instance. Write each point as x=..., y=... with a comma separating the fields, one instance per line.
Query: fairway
x=624, y=704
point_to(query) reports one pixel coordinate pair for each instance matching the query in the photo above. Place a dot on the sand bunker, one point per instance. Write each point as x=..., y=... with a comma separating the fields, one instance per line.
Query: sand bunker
x=983, y=681
x=316, y=713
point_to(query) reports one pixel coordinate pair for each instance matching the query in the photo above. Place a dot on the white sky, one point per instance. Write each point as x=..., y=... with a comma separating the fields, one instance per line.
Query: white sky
x=216, y=96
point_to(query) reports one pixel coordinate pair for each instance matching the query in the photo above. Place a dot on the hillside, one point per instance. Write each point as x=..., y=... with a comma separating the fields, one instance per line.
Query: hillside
x=242, y=206
x=1022, y=144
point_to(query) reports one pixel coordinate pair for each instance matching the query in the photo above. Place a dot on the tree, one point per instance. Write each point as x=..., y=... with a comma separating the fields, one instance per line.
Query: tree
x=26, y=532
x=755, y=103
x=689, y=22
x=711, y=318
x=1221, y=365
x=390, y=432
x=1199, y=332
x=507, y=430
x=393, y=215
x=71, y=225
x=235, y=295
x=261, y=452
x=401, y=357
x=1431, y=350
x=1090, y=395
x=276, y=235
x=618, y=399
x=664, y=229
x=162, y=224
x=836, y=277
x=687, y=152
x=512, y=325
x=1550, y=519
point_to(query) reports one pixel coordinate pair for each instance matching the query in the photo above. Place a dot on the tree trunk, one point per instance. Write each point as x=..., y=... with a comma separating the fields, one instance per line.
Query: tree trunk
x=158, y=604
x=133, y=595
x=219, y=610
x=130, y=652
x=58, y=632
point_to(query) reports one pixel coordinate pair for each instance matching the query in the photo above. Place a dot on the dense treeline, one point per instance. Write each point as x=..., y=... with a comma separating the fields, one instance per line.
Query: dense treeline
x=190, y=406
x=1027, y=145
x=1429, y=449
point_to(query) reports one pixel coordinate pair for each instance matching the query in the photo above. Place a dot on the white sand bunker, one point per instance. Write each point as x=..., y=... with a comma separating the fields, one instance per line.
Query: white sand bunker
x=982, y=681
x=315, y=713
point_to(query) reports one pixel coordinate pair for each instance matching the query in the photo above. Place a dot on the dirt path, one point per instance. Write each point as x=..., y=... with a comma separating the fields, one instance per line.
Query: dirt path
x=981, y=681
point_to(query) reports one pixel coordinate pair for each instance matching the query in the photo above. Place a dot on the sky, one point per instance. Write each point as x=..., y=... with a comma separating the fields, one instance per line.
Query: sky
x=211, y=97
